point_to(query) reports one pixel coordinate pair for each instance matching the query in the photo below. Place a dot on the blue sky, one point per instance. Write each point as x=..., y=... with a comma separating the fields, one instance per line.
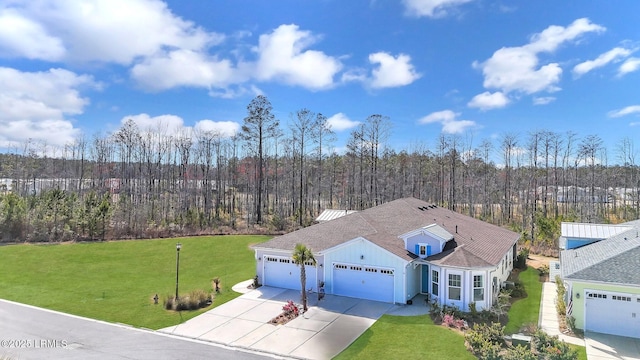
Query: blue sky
x=476, y=68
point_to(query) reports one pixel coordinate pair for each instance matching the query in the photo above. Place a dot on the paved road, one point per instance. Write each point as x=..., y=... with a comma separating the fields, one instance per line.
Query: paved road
x=27, y=332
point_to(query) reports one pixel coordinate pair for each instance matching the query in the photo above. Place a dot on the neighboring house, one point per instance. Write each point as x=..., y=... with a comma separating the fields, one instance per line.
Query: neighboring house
x=600, y=266
x=331, y=214
x=395, y=251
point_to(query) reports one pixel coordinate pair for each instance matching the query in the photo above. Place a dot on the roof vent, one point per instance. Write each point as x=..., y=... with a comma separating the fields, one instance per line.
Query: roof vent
x=456, y=229
x=575, y=254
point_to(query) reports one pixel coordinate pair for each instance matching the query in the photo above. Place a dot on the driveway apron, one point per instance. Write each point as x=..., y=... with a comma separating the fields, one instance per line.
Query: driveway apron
x=327, y=328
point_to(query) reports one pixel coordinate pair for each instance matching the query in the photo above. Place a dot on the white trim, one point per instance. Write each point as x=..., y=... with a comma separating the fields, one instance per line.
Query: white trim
x=587, y=282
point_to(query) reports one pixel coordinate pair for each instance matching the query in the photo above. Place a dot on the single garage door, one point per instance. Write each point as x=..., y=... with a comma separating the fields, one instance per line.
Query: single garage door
x=282, y=272
x=612, y=313
x=364, y=282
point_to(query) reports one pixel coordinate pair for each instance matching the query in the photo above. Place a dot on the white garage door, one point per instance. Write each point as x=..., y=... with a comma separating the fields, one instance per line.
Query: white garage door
x=612, y=313
x=363, y=282
x=282, y=272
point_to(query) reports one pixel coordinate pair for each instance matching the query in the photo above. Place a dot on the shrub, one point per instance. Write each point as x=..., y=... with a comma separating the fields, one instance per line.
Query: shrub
x=485, y=341
x=519, y=352
x=518, y=290
x=290, y=308
x=452, y=310
x=435, y=309
x=168, y=302
x=521, y=259
x=493, y=333
x=571, y=323
x=473, y=310
x=215, y=284
x=543, y=270
x=551, y=348
x=460, y=324
x=195, y=300
x=501, y=307
x=489, y=351
x=448, y=320
x=561, y=307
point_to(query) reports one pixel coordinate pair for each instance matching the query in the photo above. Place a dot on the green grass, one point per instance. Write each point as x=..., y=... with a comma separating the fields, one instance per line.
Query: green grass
x=116, y=281
x=407, y=337
x=582, y=351
x=526, y=310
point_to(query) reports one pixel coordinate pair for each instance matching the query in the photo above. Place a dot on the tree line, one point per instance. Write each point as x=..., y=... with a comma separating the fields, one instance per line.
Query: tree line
x=138, y=183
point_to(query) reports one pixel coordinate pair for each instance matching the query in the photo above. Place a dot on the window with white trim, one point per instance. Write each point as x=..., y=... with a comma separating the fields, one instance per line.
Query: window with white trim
x=455, y=285
x=478, y=288
x=434, y=282
x=423, y=250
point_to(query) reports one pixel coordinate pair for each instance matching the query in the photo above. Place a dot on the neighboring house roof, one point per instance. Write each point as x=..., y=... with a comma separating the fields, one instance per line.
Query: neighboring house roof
x=614, y=260
x=591, y=231
x=330, y=214
x=478, y=243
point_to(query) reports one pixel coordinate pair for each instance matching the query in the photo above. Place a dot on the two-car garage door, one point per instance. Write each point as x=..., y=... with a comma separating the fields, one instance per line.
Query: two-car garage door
x=364, y=282
x=612, y=313
x=282, y=272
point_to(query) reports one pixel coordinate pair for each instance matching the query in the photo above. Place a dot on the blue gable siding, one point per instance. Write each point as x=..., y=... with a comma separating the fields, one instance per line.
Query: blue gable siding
x=573, y=243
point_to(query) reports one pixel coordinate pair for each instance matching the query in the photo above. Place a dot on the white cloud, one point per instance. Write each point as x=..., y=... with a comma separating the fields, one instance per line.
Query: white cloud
x=20, y=36
x=613, y=55
x=431, y=8
x=392, y=71
x=34, y=105
x=282, y=56
x=633, y=109
x=447, y=118
x=171, y=125
x=518, y=69
x=224, y=128
x=543, y=100
x=166, y=124
x=340, y=122
x=117, y=31
x=184, y=68
x=487, y=101
x=630, y=65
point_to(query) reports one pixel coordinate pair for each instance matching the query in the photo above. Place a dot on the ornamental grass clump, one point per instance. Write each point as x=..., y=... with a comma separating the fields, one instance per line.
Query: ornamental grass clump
x=197, y=299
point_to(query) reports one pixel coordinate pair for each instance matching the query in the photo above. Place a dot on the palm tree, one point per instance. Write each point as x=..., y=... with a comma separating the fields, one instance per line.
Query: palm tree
x=302, y=255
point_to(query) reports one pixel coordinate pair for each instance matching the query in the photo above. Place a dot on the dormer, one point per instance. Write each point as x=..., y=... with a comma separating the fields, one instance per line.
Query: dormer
x=426, y=241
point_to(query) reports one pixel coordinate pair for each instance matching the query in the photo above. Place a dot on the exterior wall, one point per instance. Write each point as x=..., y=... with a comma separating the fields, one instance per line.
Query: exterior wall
x=363, y=252
x=579, y=287
x=436, y=245
x=413, y=280
x=504, y=267
x=466, y=296
x=573, y=243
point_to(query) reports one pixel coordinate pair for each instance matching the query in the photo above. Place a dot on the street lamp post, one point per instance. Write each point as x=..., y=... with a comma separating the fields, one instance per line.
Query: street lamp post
x=178, y=246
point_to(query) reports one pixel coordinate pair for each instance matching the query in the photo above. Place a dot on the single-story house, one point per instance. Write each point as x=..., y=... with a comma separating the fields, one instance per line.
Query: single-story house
x=600, y=267
x=395, y=251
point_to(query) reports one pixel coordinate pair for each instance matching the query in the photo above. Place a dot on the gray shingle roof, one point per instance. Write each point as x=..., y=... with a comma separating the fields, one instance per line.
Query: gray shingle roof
x=614, y=260
x=480, y=244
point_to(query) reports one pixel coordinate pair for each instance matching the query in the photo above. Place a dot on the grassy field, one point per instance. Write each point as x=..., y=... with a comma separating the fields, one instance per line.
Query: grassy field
x=407, y=337
x=526, y=311
x=116, y=281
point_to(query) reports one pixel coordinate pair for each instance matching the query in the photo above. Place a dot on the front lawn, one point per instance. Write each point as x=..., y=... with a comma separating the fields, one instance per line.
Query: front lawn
x=407, y=337
x=116, y=281
x=526, y=311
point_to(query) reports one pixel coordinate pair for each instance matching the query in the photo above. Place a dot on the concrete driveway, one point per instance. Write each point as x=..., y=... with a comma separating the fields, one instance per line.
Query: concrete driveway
x=321, y=333
x=603, y=346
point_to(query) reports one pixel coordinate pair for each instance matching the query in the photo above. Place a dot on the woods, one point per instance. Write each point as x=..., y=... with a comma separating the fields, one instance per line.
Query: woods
x=138, y=183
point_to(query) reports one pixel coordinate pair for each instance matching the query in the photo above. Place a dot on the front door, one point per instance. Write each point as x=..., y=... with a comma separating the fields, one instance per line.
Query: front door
x=424, y=284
